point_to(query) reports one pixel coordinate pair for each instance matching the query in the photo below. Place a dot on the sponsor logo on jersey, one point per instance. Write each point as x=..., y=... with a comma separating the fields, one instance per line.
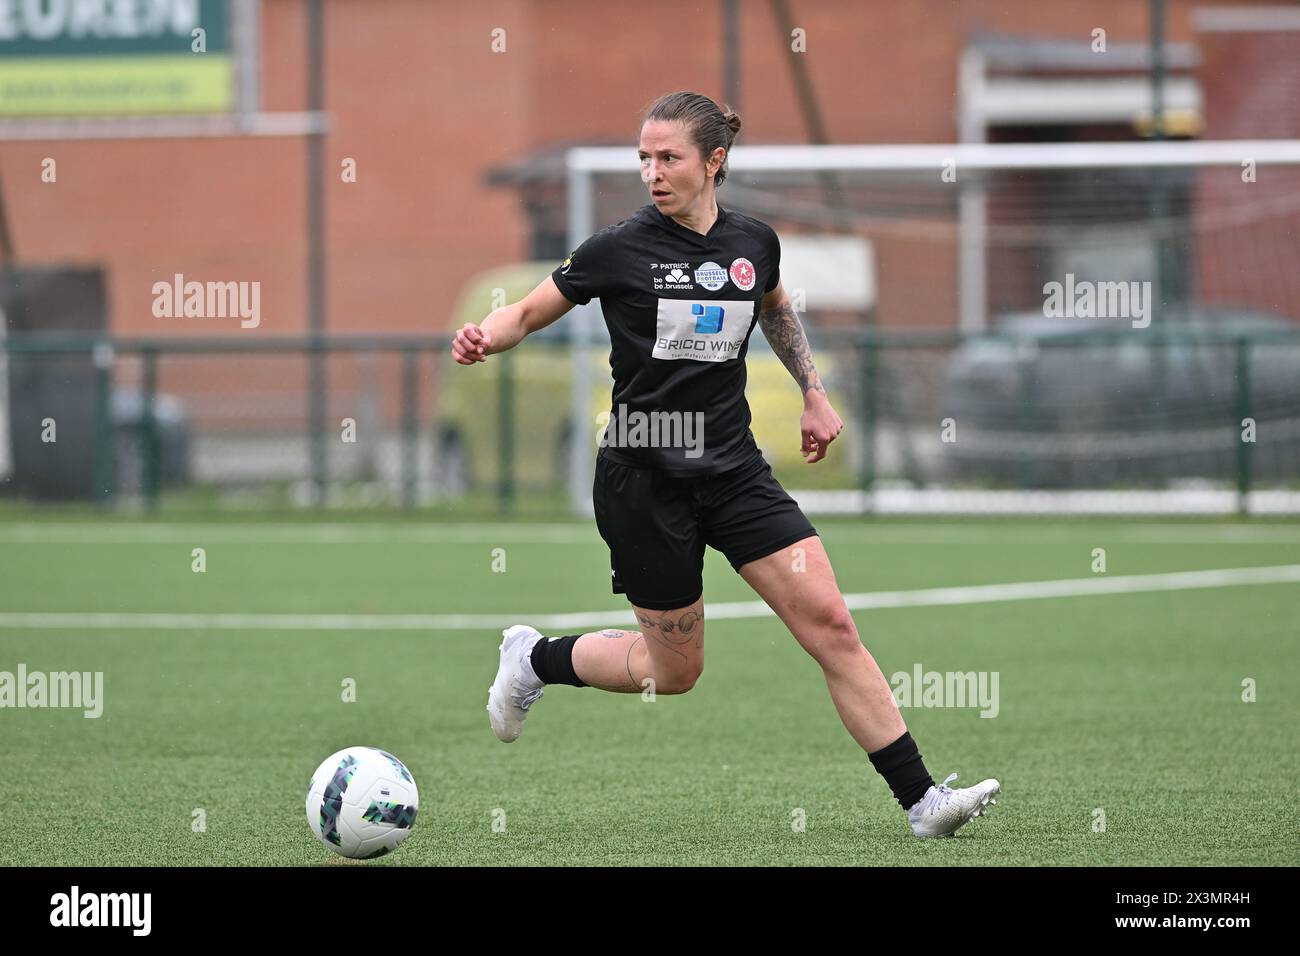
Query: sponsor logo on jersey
x=711, y=276
x=568, y=261
x=708, y=318
x=676, y=280
x=742, y=273
x=712, y=331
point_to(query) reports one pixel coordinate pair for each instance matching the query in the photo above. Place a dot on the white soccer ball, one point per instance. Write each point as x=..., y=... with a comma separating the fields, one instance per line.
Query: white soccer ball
x=361, y=802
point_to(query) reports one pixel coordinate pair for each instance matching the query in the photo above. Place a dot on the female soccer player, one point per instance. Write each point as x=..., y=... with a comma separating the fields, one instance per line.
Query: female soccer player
x=681, y=284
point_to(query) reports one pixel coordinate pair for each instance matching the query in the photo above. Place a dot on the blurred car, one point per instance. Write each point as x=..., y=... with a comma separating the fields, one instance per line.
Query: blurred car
x=172, y=426
x=1047, y=403
x=67, y=469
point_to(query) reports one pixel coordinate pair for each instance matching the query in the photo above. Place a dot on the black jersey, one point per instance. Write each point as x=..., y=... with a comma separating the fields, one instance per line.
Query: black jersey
x=680, y=308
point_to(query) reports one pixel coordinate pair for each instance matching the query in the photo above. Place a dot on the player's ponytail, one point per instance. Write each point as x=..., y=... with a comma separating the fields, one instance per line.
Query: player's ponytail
x=708, y=125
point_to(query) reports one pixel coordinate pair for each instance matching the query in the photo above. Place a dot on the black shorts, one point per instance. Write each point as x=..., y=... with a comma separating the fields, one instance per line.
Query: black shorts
x=657, y=525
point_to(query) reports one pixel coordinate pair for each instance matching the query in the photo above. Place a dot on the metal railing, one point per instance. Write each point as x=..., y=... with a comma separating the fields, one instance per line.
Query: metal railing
x=894, y=387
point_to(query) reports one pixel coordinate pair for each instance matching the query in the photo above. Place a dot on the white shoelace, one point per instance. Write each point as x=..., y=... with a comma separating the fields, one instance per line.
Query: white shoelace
x=522, y=697
x=940, y=795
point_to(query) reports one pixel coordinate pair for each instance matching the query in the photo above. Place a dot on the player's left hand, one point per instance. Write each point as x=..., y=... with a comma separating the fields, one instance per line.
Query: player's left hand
x=819, y=424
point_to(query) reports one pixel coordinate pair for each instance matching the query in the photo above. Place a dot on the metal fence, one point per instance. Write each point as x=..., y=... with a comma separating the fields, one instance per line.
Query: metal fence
x=393, y=421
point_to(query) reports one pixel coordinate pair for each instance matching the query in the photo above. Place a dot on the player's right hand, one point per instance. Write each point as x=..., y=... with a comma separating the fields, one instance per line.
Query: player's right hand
x=471, y=344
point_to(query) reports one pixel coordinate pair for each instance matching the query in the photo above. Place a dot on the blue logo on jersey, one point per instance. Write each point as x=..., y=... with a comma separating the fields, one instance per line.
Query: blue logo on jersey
x=708, y=318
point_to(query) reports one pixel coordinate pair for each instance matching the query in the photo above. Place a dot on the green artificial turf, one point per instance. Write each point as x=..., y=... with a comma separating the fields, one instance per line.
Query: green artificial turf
x=1131, y=704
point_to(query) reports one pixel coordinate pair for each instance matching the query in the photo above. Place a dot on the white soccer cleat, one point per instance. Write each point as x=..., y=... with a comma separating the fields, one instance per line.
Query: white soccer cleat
x=943, y=811
x=516, y=687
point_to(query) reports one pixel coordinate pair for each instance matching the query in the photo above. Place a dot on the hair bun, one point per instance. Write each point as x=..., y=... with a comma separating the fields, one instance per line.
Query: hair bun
x=732, y=119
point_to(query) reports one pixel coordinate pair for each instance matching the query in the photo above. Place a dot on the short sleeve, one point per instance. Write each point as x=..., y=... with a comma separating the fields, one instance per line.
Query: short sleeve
x=590, y=271
x=774, y=262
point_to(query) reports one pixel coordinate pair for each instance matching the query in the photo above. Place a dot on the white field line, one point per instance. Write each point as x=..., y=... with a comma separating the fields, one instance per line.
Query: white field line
x=195, y=535
x=307, y=533
x=734, y=610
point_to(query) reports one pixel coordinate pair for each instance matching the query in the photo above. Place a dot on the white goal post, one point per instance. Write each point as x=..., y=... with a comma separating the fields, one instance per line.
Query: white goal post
x=584, y=164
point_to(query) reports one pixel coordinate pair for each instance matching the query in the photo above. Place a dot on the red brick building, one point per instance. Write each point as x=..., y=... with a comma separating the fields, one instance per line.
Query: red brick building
x=432, y=115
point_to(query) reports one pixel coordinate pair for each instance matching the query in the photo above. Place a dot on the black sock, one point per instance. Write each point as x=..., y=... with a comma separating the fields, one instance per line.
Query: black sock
x=553, y=661
x=903, y=769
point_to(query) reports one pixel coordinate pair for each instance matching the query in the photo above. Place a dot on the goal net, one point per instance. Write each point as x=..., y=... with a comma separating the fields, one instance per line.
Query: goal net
x=1109, y=327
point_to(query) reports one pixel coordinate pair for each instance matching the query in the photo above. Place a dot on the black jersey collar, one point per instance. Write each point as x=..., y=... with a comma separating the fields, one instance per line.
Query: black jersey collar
x=671, y=225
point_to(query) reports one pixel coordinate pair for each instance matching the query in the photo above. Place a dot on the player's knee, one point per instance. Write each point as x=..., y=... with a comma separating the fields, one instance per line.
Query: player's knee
x=680, y=680
x=833, y=635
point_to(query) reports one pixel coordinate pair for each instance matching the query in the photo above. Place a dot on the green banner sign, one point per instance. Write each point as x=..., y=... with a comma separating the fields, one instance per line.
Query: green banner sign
x=114, y=57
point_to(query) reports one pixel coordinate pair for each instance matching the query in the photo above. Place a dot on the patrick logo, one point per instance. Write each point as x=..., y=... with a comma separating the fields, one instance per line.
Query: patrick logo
x=742, y=273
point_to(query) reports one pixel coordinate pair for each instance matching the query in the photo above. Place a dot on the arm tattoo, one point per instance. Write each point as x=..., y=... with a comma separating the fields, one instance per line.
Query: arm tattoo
x=783, y=331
